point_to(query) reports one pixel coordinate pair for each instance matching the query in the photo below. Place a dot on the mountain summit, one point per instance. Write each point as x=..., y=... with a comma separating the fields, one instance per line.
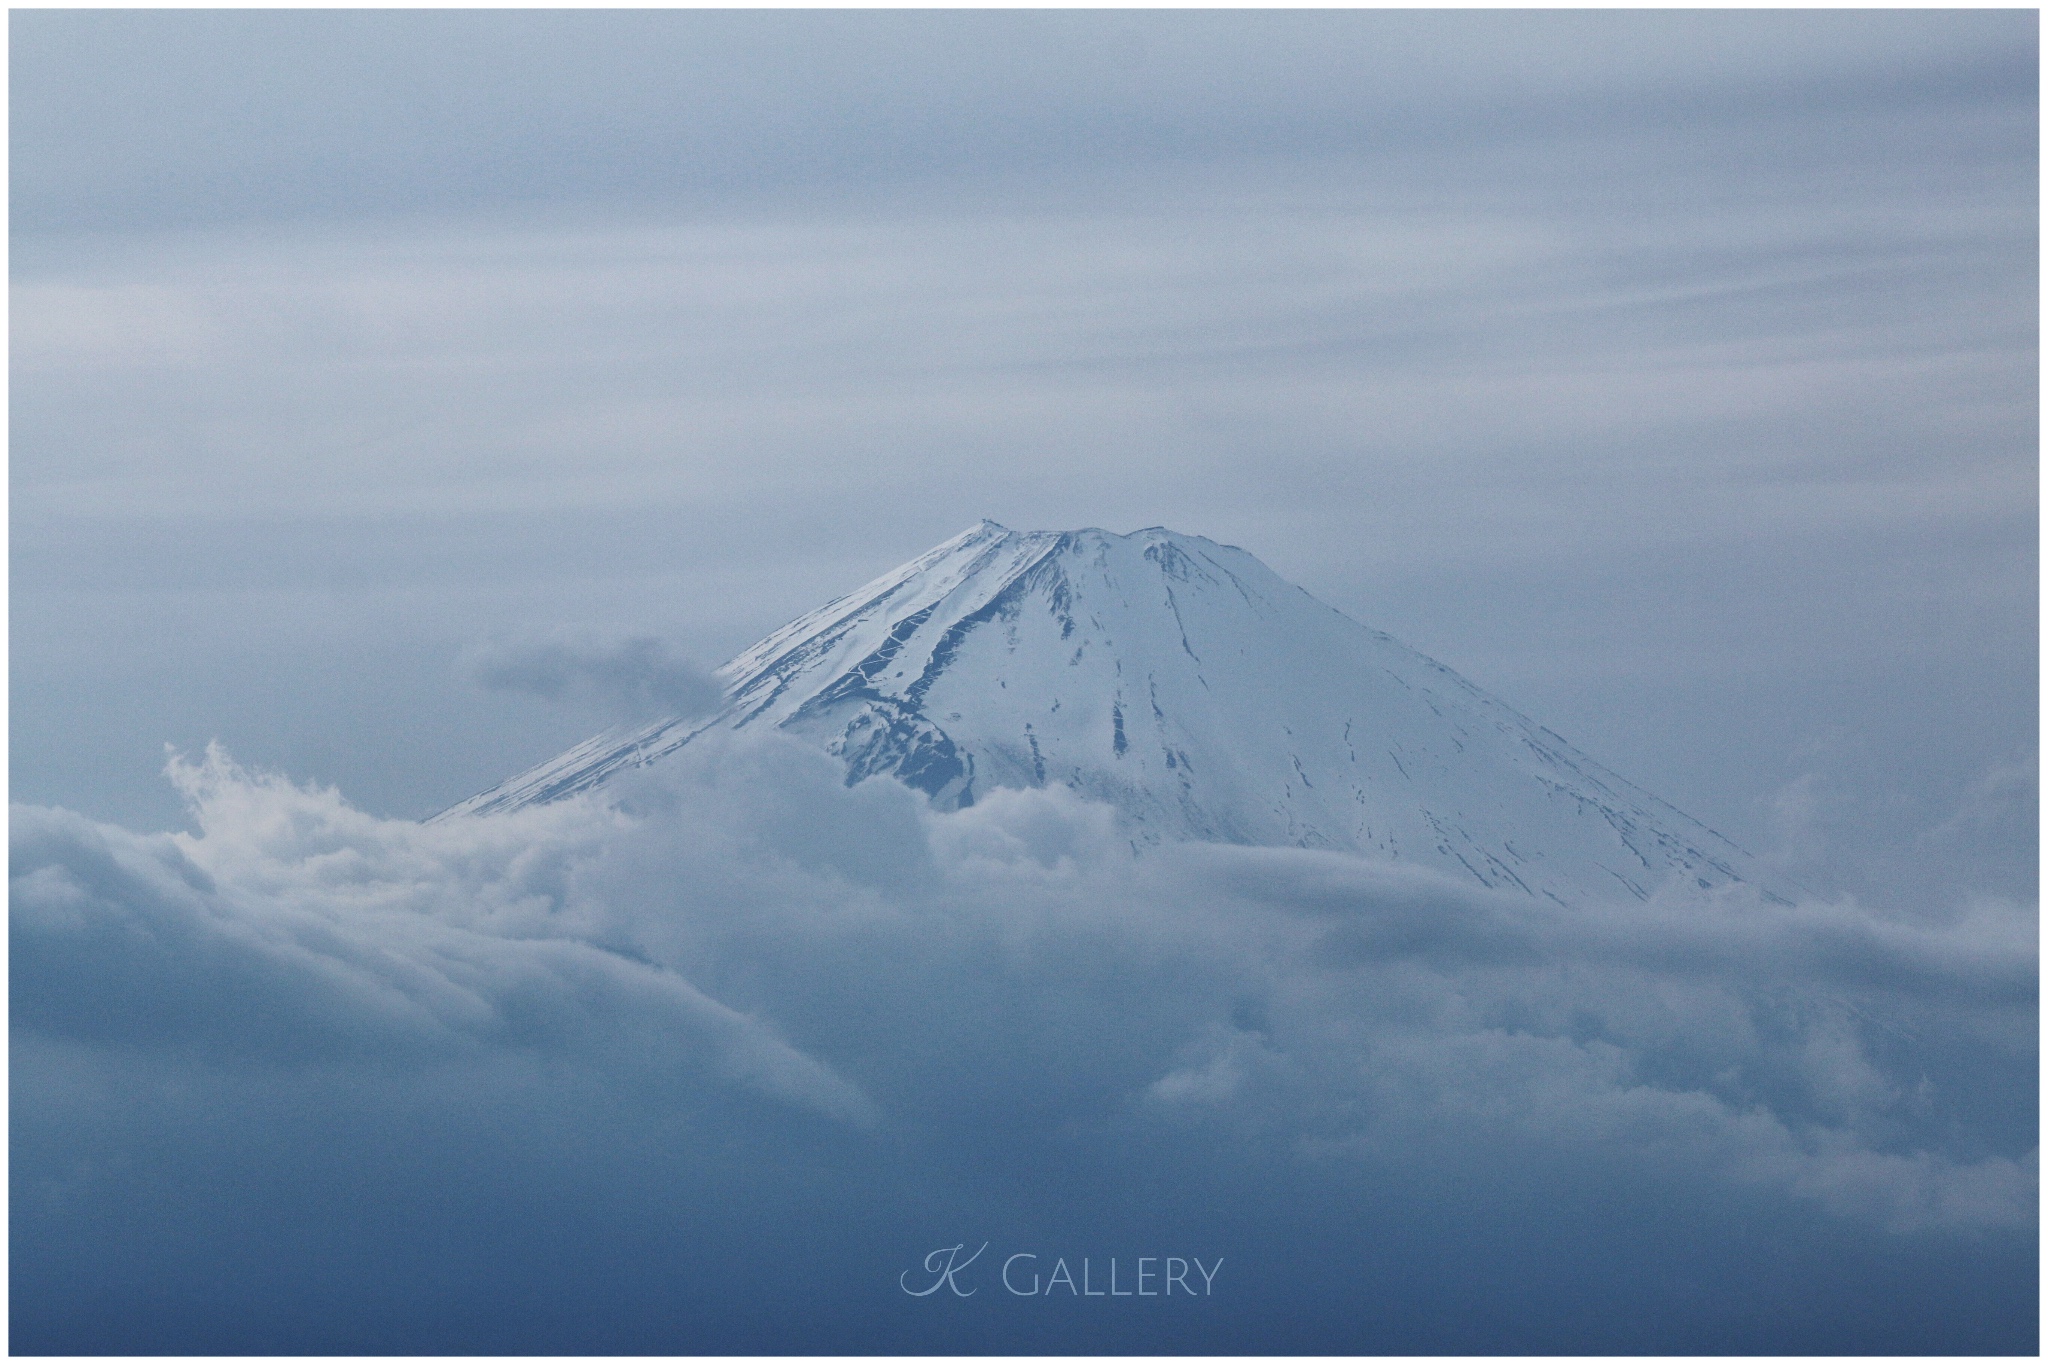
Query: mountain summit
x=1196, y=692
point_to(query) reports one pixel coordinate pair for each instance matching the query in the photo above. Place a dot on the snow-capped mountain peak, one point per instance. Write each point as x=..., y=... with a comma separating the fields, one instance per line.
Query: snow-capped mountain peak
x=1196, y=692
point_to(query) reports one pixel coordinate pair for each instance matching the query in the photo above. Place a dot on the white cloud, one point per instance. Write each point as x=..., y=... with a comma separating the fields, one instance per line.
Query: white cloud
x=1014, y=971
x=295, y=929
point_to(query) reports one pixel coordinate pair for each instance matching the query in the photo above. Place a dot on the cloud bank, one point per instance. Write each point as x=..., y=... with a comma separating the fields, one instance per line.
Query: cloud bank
x=822, y=1030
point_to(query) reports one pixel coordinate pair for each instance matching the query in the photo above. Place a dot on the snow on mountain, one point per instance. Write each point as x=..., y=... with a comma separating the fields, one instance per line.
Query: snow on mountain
x=1196, y=692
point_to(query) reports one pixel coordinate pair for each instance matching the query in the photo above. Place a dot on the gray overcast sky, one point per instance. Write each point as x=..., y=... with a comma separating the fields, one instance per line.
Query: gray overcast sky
x=1672, y=375
x=396, y=393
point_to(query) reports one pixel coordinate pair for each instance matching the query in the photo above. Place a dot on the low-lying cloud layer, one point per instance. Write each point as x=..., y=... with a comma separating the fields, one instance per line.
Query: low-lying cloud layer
x=745, y=984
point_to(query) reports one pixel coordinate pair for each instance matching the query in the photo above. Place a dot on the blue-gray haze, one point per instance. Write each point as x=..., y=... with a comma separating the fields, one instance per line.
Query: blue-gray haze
x=400, y=396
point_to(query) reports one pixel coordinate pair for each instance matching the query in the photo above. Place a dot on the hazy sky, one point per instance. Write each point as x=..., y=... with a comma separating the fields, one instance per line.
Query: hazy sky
x=1671, y=375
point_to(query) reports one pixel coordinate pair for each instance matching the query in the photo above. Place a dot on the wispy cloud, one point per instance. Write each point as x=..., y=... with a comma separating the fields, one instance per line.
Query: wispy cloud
x=636, y=679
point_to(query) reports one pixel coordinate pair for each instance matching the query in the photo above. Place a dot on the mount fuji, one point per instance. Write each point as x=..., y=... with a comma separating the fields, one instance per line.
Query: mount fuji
x=1197, y=693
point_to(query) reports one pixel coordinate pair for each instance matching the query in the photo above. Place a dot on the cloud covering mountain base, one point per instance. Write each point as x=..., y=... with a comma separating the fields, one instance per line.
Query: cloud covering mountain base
x=708, y=1068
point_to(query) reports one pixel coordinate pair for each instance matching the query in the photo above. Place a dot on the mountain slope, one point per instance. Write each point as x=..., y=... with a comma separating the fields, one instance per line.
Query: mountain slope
x=1191, y=688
